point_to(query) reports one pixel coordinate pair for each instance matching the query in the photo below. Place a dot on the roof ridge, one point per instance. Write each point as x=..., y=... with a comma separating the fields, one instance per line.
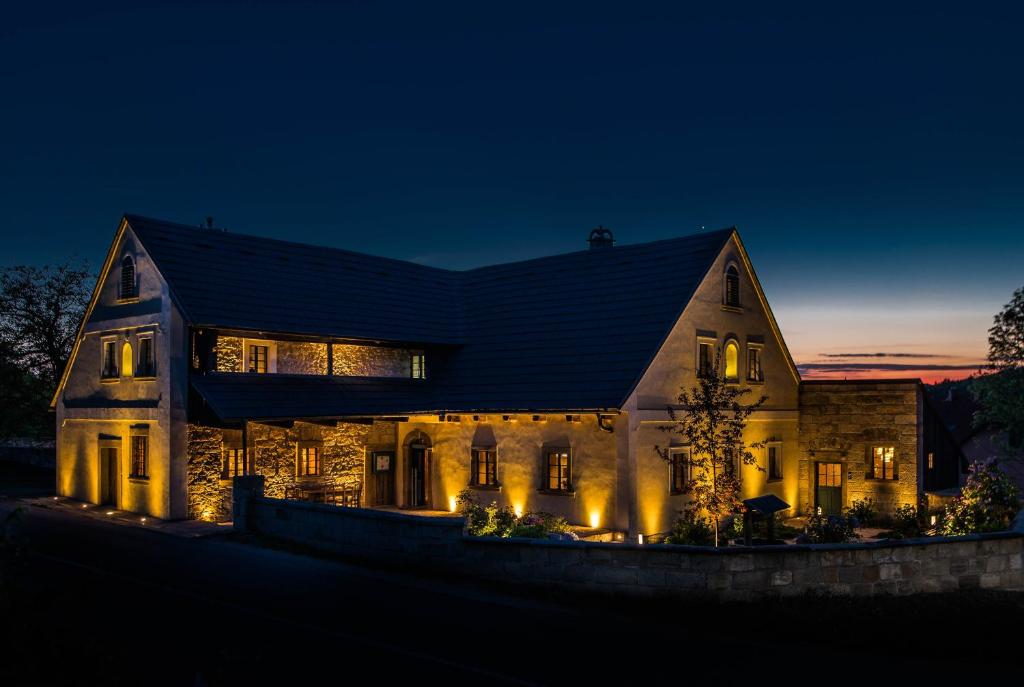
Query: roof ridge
x=585, y=251
x=205, y=232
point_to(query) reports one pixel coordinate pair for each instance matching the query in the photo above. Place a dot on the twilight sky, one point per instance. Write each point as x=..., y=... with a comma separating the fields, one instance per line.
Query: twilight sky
x=872, y=160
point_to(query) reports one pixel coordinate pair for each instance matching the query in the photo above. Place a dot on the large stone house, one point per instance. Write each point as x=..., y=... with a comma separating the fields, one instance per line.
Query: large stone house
x=544, y=384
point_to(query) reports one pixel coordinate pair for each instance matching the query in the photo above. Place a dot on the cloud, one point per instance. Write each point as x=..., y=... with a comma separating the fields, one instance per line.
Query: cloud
x=887, y=367
x=883, y=355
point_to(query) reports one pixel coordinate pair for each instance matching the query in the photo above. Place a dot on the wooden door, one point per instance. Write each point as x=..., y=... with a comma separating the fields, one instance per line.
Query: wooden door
x=108, y=476
x=829, y=488
x=418, y=477
x=383, y=478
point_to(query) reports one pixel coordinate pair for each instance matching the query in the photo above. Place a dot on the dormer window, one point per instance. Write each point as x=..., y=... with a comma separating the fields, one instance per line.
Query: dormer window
x=128, y=288
x=732, y=287
x=419, y=365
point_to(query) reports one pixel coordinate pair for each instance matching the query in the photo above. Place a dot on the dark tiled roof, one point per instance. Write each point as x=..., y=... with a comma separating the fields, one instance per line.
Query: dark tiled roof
x=277, y=397
x=231, y=280
x=573, y=331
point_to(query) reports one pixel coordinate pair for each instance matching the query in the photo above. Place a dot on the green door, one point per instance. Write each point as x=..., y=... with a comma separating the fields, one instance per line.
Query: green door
x=829, y=488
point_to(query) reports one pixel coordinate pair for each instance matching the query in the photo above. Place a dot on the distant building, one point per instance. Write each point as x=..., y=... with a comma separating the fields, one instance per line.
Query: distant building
x=979, y=442
x=542, y=384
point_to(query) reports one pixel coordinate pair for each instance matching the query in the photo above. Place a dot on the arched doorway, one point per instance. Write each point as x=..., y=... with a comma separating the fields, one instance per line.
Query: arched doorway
x=417, y=470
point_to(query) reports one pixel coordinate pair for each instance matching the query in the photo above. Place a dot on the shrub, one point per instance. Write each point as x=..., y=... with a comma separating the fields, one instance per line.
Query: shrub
x=863, y=510
x=988, y=503
x=905, y=521
x=692, y=529
x=501, y=521
x=829, y=529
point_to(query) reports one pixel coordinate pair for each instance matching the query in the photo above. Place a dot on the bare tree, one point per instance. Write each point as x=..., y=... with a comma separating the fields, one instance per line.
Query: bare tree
x=40, y=311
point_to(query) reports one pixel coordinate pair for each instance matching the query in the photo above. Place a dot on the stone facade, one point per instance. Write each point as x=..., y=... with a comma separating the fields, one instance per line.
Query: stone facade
x=343, y=451
x=371, y=361
x=299, y=358
x=309, y=358
x=840, y=422
x=229, y=354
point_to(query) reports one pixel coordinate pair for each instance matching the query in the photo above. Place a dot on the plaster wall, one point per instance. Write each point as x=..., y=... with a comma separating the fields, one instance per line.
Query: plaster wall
x=675, y=367
x=92, y=411
x=520, y=443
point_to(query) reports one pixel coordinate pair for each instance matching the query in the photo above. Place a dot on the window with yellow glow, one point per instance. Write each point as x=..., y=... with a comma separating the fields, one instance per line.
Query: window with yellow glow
x=127, y=360
x=309, y=461
x=485, y=467
x=140, y=456
x=884, y=463
x=732, y=361
x=559, y=470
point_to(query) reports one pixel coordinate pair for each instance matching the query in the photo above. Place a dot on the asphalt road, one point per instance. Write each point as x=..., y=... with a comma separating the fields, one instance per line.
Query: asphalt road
x=90, y=602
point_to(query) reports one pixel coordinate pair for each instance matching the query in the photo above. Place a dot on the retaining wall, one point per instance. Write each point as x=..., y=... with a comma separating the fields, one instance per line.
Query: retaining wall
x=987, y=561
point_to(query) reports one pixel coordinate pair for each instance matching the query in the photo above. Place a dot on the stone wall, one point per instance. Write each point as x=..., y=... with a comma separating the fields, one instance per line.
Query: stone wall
x=436, y=544
x=301, y=358
x=229, y=354
x=842, y=421
x=307, y=358
x=342, y=459
x=371, y=361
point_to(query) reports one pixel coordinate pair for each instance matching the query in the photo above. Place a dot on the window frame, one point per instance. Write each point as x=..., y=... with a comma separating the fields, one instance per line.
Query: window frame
x=731, y=274
x=546, y=487
x=711, y=343
x=490, y=467
x=112, y=372
x=302, y=464
x=674, y=466
x=123, y=297
x=758, y=349
x=138, y=436
x=235, y=448
x=731, y=341
x=143, y=370
x=417, y=365
x=893, y=462
x=271, y=362
x=770, y=475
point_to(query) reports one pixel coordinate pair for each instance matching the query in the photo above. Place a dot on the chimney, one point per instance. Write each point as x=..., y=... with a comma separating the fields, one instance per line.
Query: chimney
x=209, y=223
x=601, y=237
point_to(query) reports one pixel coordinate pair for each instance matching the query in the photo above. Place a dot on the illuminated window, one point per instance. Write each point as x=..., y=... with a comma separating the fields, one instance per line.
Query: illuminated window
x=485, y=467
x=127, y=360
x=258, y=358
x=755, y=373
x=681, y=470
x=559, y=470
x=146, y=366
x=109, y=369
x=419, y=366
x=233, y=463
x=128, y=288
x=140, y=456
x=705, y=358
x=732, y=287
x=309, y=460
x=931, y=461
x=732, y=362
x=774, y=451
x=884, y=463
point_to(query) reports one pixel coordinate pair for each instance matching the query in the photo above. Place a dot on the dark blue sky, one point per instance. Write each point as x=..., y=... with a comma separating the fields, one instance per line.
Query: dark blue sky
x=872, y=159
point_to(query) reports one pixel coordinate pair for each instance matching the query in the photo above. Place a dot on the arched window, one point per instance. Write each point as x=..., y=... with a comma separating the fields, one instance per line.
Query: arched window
x=732, y=362
x=127, y=360
x=732, y=286
x=128, y=289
